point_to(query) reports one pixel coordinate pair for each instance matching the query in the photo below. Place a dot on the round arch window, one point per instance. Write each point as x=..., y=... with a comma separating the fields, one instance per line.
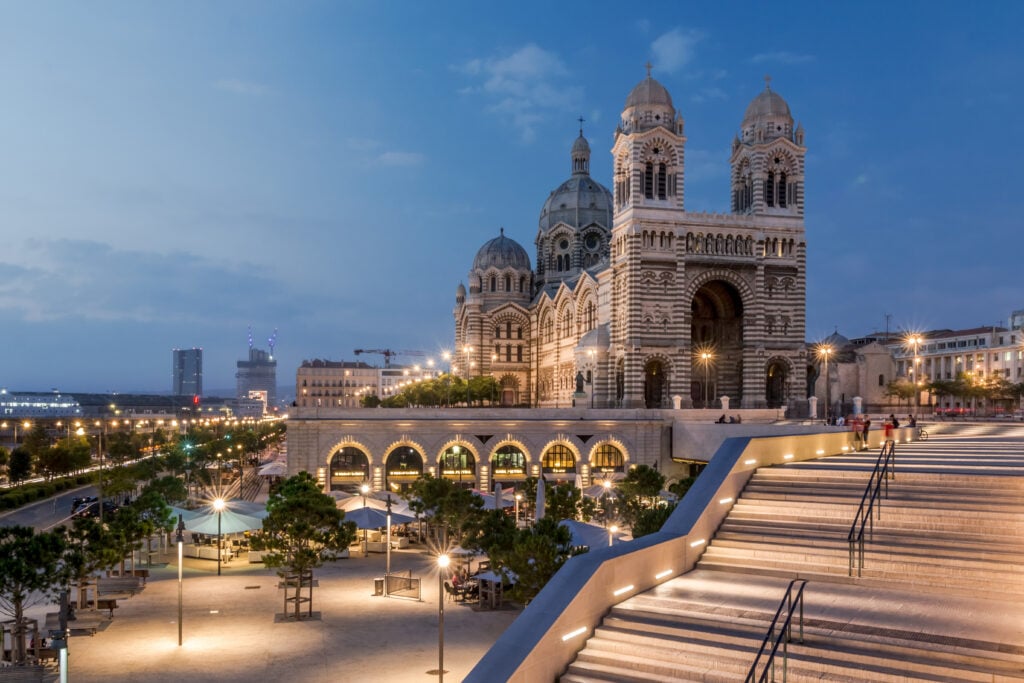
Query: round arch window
x=607, y=458
x=557, y=459
x=508, y=461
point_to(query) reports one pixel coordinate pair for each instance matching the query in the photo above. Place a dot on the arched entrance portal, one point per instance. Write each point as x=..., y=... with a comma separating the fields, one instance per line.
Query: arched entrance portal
x=402, y=467
x=717, y=329
x=509, y=390
x=459, y=465
x=349, y=468
x=776, y=382
x=508, y=465
x=655, y=384
x=559, y=464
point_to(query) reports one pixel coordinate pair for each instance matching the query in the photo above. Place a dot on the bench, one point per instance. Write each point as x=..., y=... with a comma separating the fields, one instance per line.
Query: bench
x=109, y=604
x=118, y=584
x=142, y=574
x=86, y=622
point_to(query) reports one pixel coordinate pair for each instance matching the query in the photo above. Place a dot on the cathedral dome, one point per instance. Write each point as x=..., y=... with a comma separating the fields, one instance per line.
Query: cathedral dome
x=501, y=252
x=768, y=117
x=577, y=202
x=767, y=104
x=649, y=92
x=580, y=200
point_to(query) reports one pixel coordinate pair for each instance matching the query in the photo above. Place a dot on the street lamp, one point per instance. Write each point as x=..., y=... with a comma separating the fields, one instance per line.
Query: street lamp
x=364, y=489
x=180, y=539
x=447, y=380
x=218, y=505
x=387, y=568
x=824, y=351
x=442, y=565
x=915, y=341
x=611, y=530
x=593, y=377
x=519, y=497
x=705, y=358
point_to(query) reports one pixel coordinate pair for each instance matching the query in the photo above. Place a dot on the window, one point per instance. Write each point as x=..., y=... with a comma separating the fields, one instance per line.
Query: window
x=649, y=180
x=497, y=332
x=661, y=181
x=881, y=380
x=769, y=189
x=508, y=330
x=781, y=194
x=494, y=284
x=607, y=457
x=519, y=353
x=508, y=353
x=508, y=283
x=558, y=457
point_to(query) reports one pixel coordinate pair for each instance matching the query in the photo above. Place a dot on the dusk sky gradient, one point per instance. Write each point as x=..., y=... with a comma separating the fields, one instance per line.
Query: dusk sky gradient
x=174, y=173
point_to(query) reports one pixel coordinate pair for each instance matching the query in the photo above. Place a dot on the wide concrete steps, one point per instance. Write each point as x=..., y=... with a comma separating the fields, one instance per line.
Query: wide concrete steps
x=940, y=596
x=666, y=638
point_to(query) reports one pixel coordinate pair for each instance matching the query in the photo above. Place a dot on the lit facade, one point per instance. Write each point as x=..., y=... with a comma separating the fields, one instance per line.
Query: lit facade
x=187, y=365
x=258, y=373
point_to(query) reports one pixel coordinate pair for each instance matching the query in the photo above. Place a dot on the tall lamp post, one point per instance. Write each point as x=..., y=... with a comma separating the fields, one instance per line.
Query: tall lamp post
x=442, y=565
x=447, y=380
x=915, y=341
x=705, y=358
x=218, y=505
x=364, y=489
x=387, y=568
x=180, y=539
x=593, y=377
x=824, y=351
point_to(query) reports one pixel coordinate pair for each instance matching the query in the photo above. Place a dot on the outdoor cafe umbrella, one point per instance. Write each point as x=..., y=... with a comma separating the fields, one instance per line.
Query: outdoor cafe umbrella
x=539, y=512
x=230, y=523
x=372, y=518
x=589, y=535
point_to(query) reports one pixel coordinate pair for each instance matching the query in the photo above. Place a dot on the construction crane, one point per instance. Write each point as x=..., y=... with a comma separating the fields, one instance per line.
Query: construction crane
x=388, y=353
x=272, y=342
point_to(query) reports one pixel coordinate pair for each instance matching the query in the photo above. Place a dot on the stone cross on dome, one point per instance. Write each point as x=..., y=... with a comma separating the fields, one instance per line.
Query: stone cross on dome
x=581, y=120
x=767, y=82
x=649, y=66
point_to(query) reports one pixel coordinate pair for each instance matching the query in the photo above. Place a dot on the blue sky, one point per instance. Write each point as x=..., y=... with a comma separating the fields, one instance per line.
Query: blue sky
x=174, y=173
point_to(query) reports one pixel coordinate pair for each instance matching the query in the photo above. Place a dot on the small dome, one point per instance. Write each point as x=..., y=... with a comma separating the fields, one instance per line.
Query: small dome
x=501, y=252
x=767, y=104
x=768, y=117
x=581, y=146
x=648, y=92
x=577, y=202
x=460, y=291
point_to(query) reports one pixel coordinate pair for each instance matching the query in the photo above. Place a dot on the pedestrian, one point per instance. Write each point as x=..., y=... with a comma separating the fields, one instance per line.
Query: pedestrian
x=864, y=431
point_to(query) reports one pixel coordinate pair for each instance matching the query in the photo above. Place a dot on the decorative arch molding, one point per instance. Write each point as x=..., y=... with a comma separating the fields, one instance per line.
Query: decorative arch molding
x=666, y=150
x=780, y=360
x=610, y=441
x=571, y=442
x=741, y=285
x=788, y=160
x=664, y=359
x=461, y=442
x=404, y=441
x=350, y=441
x=510, y=440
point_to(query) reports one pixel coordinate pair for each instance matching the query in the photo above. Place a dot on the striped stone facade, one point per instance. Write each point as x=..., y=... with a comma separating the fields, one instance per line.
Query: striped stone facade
x=674, y=306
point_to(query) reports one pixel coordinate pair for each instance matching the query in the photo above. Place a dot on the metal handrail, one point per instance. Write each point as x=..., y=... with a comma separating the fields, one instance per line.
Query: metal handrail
x=789, y=603
x=885, y=469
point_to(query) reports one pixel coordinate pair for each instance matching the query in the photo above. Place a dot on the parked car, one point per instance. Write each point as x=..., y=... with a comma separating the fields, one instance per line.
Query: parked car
x=92, y=509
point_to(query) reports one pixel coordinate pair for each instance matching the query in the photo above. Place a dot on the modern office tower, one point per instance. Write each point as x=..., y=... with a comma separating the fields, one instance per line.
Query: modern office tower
x=259, y=374
x=188, y=372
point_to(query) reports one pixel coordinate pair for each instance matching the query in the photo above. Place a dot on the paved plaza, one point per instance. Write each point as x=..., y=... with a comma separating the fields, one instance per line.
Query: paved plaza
x=233, y=630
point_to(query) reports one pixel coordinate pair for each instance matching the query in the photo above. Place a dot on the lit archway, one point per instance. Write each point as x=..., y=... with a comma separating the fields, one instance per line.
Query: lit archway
x=402, y=467
x=349, y=468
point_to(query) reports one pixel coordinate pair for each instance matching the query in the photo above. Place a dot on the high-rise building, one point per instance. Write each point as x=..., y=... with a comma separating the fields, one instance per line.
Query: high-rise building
x=259, y=373
x=188, y=372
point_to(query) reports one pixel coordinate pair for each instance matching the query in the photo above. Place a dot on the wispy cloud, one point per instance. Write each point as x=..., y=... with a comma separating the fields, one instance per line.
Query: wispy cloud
x=240, y=87
x=394, y=158
x=710, y=94
x=522, y=87
x=674, y=50
x=781, y=57
x=89, y=280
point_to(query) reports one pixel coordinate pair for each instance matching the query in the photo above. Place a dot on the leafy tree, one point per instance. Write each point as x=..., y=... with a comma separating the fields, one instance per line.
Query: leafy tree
x=20, y=465
x=901, y=389
x=5, y=458
x=33, y=568
x=304, y=528
x=369, y=401
x=492, y=531
x=643, y=482
x=534, y=556
x=37, y=440
x=682, y=486
x=650, y=520
x=125, y=530
x=565, y=501
x=447, y=506
x=88, y=550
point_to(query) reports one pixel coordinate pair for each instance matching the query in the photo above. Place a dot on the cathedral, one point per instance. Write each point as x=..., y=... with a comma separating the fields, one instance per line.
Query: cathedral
x=635, y=302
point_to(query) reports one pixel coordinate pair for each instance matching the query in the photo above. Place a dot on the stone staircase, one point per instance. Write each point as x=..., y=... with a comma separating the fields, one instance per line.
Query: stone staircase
x=941, y=596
